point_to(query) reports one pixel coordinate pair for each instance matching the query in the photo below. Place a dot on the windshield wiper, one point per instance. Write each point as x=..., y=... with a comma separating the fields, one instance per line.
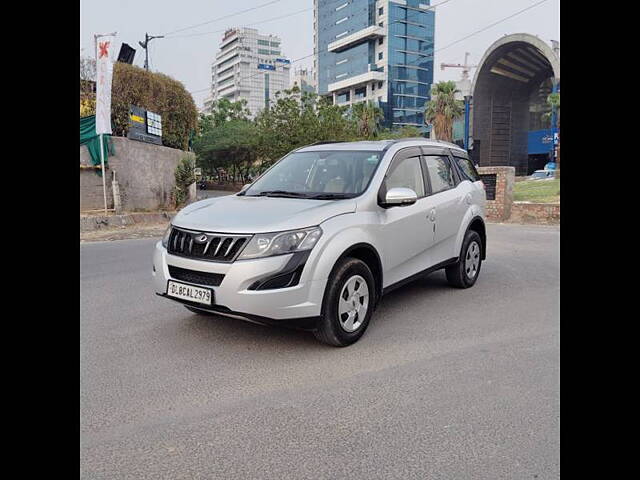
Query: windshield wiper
x=279, y=193
x=330, y=196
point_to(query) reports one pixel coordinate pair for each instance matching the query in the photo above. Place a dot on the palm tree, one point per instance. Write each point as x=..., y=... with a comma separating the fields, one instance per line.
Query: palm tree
x=443, y=109
x=367, y=117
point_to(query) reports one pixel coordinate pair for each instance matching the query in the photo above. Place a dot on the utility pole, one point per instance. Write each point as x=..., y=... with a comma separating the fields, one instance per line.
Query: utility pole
x=145, y=44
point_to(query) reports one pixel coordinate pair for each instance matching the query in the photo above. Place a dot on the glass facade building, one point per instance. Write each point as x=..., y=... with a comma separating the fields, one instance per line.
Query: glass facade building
x=380, y=51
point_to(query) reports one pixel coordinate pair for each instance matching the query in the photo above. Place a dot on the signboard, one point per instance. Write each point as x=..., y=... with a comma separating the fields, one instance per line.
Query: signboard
x=540, y=141
x=104, y=74
x=154, y=124
x=264, y=66
x=144, y=126
x=283, y=60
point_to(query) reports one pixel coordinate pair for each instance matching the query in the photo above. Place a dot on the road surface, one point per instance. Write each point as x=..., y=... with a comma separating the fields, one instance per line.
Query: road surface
x=445, y=384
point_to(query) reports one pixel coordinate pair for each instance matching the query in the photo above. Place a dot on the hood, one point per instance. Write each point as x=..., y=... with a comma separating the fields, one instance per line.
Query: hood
x=234, y=214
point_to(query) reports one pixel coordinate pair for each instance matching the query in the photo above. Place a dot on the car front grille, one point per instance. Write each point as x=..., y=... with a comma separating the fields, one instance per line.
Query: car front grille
x=192, y=276
x=214, y=247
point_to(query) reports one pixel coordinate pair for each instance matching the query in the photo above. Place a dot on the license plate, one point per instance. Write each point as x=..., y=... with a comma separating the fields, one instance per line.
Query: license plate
x=190, y=292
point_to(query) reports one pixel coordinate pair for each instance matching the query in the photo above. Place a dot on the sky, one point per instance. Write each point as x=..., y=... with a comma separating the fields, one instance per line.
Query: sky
x=186, y=55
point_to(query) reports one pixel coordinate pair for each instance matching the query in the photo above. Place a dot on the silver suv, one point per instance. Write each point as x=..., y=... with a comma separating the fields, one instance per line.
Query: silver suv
x=321, y=236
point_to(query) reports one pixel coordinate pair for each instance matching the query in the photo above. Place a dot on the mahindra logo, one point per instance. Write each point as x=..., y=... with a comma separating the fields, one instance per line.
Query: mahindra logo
x=200, y=238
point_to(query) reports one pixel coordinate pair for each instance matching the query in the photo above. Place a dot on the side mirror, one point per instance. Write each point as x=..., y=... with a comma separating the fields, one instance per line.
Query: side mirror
x=400, y=197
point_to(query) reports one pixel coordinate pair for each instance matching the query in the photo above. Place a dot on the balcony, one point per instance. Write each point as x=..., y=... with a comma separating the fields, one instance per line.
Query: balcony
x=370, y=76
x=366, y=34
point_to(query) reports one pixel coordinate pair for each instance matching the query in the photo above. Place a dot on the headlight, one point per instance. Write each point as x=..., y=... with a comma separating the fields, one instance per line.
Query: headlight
x=268, y=244
x=165, y=237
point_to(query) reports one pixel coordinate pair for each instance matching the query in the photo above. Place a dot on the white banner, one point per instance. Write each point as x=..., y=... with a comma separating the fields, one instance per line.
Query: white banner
x=104, y=73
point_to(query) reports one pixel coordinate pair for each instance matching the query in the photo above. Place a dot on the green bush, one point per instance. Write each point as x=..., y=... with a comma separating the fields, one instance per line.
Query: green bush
x=155, y=92
x=185, y=176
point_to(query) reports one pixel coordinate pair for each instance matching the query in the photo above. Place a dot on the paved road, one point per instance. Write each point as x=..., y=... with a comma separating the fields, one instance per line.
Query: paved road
x=445, y=384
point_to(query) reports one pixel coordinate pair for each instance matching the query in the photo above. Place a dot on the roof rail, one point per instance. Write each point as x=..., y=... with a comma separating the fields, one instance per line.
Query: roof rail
x=413, y=139
x=325, y=142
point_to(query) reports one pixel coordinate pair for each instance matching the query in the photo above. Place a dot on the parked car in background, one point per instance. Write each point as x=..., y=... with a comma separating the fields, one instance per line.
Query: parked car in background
x=543, y=175
x=321, y=236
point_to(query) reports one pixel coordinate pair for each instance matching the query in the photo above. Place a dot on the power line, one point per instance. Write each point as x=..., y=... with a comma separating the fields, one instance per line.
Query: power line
x=247, y=25
x=223, y=18
x=426, y=56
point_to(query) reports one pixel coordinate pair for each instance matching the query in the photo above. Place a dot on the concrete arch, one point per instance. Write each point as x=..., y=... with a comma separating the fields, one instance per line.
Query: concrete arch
x=513, y=70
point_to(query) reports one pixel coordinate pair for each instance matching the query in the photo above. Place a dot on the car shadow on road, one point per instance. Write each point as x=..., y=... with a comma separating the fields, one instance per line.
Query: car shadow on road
x=237, y=333
x=234, y=332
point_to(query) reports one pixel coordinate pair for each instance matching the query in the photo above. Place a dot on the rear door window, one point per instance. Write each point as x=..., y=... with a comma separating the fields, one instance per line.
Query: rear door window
x=440, y=173
x=467, y=170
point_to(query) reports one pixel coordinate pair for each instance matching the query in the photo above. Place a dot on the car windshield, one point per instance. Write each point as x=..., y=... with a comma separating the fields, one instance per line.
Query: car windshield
x=318, y=175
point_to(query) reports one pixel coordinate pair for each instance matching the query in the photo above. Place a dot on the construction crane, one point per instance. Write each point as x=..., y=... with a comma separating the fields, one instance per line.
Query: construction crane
x=464, y=86
x=465, y=68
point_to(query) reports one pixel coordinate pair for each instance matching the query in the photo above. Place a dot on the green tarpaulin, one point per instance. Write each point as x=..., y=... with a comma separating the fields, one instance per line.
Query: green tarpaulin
x=89, y=138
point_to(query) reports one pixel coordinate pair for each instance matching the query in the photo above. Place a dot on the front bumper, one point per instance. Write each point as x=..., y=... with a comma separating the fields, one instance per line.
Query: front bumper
x=299, y=305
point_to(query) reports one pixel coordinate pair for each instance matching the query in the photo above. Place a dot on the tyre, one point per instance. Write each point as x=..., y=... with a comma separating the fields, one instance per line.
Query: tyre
x=464, y=273
x=348, y=303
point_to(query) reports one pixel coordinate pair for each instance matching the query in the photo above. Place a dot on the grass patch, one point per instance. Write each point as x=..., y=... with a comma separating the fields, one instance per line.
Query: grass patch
x=537, y=191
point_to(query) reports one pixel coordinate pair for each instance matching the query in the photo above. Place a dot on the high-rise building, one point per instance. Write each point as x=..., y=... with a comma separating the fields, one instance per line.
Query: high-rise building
x=249, y=66
x=304, y=80
x=376, y=50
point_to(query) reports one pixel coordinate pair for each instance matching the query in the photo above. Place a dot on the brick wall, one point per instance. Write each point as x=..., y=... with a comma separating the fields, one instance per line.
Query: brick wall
x=144, y=171
x=499, y=209
x=541, y=213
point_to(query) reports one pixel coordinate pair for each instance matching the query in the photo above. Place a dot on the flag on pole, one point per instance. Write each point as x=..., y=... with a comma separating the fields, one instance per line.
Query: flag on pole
x=104, y=73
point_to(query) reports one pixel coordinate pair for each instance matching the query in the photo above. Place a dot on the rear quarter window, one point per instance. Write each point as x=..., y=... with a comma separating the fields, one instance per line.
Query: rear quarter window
x=467, y=169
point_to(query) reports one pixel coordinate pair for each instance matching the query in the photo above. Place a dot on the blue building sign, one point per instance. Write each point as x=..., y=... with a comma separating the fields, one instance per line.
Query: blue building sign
x=283, y=60
x=264, y=66
x=540, y=141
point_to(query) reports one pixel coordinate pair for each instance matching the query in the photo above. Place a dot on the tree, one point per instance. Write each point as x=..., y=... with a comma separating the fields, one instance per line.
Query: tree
x=443, y=109
x=224, y=110
x=367, y=118
x=87, y=86
x=232, y=145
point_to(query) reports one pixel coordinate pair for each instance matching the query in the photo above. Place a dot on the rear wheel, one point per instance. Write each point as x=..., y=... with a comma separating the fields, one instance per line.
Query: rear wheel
x=348, y=303
x=464, y=273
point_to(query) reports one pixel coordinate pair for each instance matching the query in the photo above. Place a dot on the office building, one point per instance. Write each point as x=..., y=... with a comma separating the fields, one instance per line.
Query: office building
x=249, y=66
x=376, y=50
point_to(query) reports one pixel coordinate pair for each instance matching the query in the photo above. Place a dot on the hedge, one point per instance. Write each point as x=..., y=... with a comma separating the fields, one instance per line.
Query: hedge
x=158, y=93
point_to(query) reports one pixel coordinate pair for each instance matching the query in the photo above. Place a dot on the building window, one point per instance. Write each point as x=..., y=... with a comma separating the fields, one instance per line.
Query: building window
x=343, y=97
x=379, y=84
x=381, y=11
x=381, y=24
x=373, y=87
x=263, y=42
x=380, y=41
x=380, y=56
x=360, y=93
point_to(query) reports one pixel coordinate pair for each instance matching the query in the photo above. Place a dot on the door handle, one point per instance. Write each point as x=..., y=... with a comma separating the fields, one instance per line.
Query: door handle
x=432, y=215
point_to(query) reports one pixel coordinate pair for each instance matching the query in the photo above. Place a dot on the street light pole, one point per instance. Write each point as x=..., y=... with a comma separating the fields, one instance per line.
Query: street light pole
x=467, y=102
x=145, y=45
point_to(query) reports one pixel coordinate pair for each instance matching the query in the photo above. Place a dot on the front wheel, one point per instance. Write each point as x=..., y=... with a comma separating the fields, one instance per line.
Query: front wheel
x=348, y=303
x=464, y=273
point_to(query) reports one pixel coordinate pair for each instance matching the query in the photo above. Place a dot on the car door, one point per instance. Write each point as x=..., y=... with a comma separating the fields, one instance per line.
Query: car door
x=406, y=232
x=448, y=195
